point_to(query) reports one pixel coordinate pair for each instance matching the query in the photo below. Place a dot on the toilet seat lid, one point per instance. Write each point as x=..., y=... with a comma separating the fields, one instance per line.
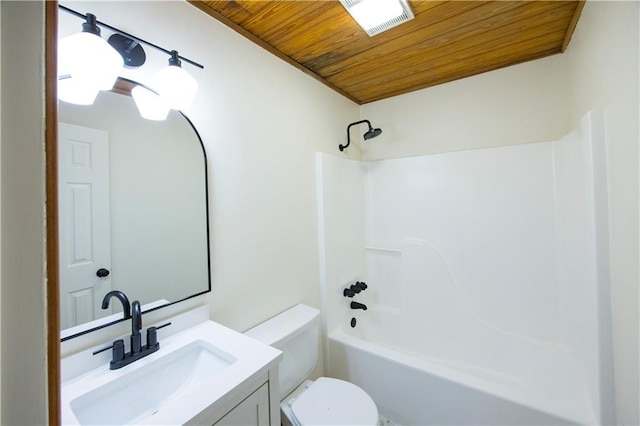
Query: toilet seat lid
x=334, y=402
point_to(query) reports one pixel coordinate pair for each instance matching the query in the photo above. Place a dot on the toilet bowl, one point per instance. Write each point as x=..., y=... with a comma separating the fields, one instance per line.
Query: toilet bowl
x=325, y=401
x=328, y=401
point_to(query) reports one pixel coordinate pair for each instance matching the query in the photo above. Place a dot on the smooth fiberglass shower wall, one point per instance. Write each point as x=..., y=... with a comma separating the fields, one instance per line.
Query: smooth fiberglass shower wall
x=491, y=262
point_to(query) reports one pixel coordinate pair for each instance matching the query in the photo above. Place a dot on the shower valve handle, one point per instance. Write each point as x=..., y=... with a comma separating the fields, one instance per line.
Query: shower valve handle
x=348, y=292
x=355, y=289
x=360, y=285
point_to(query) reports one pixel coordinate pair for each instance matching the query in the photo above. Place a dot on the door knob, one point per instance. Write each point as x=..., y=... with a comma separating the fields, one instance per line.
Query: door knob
x=102, y=272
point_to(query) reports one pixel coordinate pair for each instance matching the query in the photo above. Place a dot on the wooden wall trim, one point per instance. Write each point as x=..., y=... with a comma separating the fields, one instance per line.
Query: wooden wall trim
x=240, y=30
x=572, y=24
x=51, y=158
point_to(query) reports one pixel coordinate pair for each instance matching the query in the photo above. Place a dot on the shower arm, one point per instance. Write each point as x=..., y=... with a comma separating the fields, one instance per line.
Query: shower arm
x=343, y=147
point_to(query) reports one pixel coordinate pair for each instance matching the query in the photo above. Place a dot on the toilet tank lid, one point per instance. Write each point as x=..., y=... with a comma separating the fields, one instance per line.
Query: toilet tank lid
x=283, y=325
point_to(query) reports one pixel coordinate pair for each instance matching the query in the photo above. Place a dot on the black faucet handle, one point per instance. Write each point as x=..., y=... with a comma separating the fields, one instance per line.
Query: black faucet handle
x=361, y=285
x=152, y=334
x=355, y=288
x=348, y=292
x=118, y=350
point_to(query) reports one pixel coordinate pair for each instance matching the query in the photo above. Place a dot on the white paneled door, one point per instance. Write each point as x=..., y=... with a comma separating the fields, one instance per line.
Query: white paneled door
x=84, y=224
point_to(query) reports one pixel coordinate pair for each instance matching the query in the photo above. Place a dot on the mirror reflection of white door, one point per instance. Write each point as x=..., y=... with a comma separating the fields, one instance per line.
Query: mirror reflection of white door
x=84, y=222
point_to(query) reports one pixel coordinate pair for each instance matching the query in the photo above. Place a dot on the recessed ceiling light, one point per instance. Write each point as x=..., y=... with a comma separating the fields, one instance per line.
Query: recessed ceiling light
x=376, y=16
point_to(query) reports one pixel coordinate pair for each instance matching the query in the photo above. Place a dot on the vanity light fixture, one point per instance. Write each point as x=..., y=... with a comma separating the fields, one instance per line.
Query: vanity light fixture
x=84, y=69
x=376, y=16
x=88, y=59
x=150, y=105
x=175, y=85
x=72, y=91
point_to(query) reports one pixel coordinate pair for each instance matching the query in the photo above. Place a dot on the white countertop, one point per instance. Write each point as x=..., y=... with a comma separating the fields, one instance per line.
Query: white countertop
x=252, y=359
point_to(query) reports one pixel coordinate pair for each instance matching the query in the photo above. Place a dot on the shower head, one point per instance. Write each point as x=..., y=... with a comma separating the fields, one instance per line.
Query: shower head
x=369, y=134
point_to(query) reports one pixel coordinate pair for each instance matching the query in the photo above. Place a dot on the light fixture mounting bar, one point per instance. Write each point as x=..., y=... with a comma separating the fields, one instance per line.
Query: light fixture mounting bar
x=124, y=33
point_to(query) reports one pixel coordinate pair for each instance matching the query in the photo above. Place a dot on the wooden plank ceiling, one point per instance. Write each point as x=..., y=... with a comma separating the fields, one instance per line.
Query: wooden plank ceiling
x=446, y=41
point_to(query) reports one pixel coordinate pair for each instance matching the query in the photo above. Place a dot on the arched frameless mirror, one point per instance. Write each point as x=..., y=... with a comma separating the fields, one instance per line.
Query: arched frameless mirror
x=133, y=210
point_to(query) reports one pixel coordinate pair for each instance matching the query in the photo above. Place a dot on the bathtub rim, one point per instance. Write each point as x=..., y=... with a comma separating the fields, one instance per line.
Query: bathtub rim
x=447, y=373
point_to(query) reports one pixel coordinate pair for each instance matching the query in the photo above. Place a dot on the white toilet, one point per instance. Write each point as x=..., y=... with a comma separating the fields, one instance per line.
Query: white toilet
x=325, y=401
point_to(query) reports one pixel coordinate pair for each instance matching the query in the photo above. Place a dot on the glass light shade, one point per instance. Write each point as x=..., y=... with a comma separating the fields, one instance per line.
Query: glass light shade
x=73, y=91
x=90, y=59
x=150, y=105
x=176, y=86
x=371, y=13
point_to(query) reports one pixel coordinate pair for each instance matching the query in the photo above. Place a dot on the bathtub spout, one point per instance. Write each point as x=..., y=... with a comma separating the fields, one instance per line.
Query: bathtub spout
x=356, y=305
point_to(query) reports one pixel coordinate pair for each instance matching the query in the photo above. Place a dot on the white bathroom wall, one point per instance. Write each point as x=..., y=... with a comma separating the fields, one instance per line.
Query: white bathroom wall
x=519, y=104
x=602, y=67
x=262, y=122
x=24, y=359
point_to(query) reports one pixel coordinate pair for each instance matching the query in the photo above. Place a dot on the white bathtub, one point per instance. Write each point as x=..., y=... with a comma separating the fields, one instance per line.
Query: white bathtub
x=414, y=389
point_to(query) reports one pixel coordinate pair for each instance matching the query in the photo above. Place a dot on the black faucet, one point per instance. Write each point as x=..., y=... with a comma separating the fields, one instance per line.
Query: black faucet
x=137, y=351
x=126, y=309
x=136, y=326
x=356, y=305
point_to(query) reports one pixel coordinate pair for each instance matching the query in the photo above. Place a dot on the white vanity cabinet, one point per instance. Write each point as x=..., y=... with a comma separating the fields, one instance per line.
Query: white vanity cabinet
x=203, y=374
x=252, y=411
x=254, y=403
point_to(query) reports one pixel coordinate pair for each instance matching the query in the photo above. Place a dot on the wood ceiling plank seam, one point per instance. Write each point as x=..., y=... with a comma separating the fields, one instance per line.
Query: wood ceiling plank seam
x=310, y=31
x=385, y=95
x=572, y=25
x=349, y=31
x=461, y=33
x=438, y=51
x=355, y=33
x=261, y=15
x=468, y=56
x=276, y=15
x=466, y=18
x=234, y=10
x=289, y=18
x=435, y=49
x=379, y=83
x=250, y=36
x=347, y=47
x=480, y=64
x=256, y=8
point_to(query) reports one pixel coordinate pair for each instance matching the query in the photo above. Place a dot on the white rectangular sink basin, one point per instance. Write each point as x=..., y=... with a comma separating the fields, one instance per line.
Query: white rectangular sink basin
x=198, y=371
x=142, y=393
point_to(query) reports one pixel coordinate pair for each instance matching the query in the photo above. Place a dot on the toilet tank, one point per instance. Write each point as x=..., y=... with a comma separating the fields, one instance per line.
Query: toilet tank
x=296, y=333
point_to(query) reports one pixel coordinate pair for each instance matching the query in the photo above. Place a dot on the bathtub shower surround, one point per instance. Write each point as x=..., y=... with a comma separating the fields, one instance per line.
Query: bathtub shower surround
x=488, y=282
